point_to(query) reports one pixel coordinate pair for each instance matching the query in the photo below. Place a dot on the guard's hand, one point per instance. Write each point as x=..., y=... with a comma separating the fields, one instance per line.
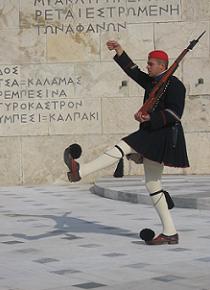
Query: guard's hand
x=141, y=118
x=112, y=44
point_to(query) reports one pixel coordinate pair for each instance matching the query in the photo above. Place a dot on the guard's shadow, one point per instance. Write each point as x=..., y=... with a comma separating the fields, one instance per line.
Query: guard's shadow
x=66, y=225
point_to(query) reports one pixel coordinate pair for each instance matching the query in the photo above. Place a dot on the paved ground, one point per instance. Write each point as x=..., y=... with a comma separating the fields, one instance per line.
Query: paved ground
x=64, y=237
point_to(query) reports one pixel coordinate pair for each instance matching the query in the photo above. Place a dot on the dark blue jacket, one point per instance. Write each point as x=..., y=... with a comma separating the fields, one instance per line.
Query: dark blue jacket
x=162, y=138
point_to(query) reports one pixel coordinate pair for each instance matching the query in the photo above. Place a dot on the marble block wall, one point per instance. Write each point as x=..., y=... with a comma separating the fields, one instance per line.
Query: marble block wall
x=59, y=84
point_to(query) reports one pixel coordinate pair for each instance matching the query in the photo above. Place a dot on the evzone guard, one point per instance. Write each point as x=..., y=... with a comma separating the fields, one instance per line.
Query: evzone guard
x=159, y=141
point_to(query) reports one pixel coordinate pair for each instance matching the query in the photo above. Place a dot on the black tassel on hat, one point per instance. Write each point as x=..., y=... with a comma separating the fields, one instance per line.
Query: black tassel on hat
x=119, y=171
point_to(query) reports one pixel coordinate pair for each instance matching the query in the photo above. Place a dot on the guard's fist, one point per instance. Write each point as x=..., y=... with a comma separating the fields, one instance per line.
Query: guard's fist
x=112, y=44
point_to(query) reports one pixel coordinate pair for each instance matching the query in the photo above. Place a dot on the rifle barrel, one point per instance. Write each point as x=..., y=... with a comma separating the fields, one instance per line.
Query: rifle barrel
x=201, y=35
x=194, y=41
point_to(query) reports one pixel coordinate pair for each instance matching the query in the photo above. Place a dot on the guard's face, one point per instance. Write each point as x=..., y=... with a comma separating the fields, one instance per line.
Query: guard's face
x=154, y=67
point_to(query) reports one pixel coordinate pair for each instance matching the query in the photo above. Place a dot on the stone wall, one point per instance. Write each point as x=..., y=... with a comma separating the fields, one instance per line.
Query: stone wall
x=59, y=83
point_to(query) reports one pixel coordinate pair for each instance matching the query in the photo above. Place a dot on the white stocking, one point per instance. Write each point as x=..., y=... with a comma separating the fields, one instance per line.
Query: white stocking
x=153, y=172
x=110, y=157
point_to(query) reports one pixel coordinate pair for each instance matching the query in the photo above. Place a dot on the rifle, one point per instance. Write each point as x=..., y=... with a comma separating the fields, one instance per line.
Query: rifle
x=160, y=87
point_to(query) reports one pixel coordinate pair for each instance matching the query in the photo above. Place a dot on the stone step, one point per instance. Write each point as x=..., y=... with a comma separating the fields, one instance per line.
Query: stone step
x=187, y=191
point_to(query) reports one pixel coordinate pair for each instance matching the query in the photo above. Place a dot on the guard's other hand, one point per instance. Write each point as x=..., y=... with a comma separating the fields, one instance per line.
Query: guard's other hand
x=141, y=117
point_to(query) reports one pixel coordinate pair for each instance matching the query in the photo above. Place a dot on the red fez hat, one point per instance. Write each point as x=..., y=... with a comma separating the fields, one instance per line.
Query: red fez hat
x=160, y=54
